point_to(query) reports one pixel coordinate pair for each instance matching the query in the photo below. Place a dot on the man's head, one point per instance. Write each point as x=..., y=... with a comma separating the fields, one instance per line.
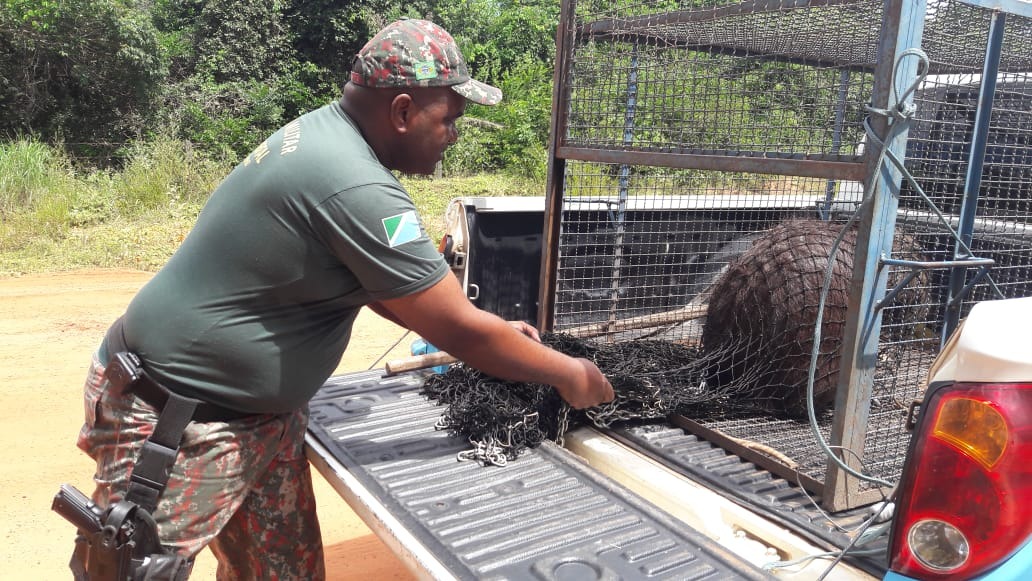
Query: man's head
x=409, y=85
x=417, y=53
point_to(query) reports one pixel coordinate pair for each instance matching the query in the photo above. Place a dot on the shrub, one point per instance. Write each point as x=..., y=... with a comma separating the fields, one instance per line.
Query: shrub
x=228, y=120
x=27, y=169
x=164, y=171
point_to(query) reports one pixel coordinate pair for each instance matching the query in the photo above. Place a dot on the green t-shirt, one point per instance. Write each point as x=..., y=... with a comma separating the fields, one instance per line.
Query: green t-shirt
x=255, y=309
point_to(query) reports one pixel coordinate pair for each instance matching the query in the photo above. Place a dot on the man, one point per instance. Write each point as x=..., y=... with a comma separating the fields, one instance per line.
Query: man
x=253, y=312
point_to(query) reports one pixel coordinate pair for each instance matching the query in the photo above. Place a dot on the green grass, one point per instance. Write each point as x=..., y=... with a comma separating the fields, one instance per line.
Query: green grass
x=58, y=217
x=431, y=196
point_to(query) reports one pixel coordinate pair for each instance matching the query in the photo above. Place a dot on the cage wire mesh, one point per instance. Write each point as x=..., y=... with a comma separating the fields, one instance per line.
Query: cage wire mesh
x=718, y=274
x=763, y=80
x=777, y=80
x=938, y=150
x=766, y=80
x=653, y=256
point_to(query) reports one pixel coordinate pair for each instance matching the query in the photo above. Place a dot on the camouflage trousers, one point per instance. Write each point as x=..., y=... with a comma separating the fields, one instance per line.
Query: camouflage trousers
x=243, y=488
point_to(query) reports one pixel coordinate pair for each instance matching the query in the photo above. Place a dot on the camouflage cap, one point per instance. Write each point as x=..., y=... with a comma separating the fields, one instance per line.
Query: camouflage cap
x=418, y=53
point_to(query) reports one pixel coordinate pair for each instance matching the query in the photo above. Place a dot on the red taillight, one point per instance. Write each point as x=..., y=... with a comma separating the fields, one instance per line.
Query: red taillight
x=966, y=491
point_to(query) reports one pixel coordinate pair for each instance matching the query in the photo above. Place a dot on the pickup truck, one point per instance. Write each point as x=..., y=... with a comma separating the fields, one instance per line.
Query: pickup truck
x=682, y=133
x=651, y=500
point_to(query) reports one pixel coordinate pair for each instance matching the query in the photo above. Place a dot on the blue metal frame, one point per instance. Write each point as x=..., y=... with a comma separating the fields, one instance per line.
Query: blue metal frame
x=973, y=177
x=624, y=185
x=895, y=74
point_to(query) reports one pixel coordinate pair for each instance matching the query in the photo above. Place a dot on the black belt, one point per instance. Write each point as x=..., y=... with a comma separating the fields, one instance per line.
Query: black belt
x=155, y=394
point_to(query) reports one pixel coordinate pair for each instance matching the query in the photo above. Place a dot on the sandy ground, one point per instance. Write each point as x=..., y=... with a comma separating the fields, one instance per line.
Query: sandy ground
x=49, y=326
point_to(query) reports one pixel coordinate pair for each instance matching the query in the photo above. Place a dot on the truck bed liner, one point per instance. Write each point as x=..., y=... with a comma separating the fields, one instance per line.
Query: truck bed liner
x=754, y=487
x=546, y=515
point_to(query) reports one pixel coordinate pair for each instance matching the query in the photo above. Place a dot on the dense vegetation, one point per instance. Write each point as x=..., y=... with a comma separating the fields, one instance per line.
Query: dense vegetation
x=57, y=216
x=117, y=117
x=97, y=75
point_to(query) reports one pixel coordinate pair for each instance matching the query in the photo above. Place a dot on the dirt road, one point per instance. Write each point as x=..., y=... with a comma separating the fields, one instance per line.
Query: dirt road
x=49, y=326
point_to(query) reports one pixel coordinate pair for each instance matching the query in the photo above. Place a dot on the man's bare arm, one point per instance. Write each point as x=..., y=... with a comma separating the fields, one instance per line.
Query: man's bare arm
x=386, y=314
x=444, y=316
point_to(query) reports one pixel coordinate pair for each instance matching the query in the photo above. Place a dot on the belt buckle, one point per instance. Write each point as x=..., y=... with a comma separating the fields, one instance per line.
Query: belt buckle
x=123, y=370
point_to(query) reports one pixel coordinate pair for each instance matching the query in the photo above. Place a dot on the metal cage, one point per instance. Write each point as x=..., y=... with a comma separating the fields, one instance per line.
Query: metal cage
x=687, y=132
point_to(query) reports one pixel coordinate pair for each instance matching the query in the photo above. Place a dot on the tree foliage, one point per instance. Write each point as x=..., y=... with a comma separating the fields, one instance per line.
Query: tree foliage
x=510, y=44
x=328, y=33
x=223, y=74
x=86, y=71
x=240, y=40
x=497, y=36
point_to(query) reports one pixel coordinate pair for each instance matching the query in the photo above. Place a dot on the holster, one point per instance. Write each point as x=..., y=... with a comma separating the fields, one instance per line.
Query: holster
x=126, y=548
x=120, y=543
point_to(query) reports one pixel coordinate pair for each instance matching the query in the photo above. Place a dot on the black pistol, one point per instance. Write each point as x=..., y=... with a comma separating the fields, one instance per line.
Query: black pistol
x=78, y=509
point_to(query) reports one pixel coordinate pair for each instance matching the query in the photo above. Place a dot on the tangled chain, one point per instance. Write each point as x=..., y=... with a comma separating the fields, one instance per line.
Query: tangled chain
x=501, y=418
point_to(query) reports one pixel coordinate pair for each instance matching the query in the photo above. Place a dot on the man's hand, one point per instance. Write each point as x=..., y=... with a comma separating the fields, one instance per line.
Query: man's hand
x=589, y=387
x=526, y=329
x=593, y=389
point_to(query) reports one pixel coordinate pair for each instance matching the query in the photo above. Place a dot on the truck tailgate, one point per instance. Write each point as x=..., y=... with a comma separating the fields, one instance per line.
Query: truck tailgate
x=547, y=515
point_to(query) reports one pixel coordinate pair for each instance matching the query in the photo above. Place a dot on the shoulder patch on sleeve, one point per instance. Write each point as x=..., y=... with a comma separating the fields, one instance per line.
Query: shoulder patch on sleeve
x=402, y=228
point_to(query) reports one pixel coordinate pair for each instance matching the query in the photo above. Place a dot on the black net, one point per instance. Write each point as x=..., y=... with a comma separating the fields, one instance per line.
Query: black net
x=753, y=359
x=651, y=379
